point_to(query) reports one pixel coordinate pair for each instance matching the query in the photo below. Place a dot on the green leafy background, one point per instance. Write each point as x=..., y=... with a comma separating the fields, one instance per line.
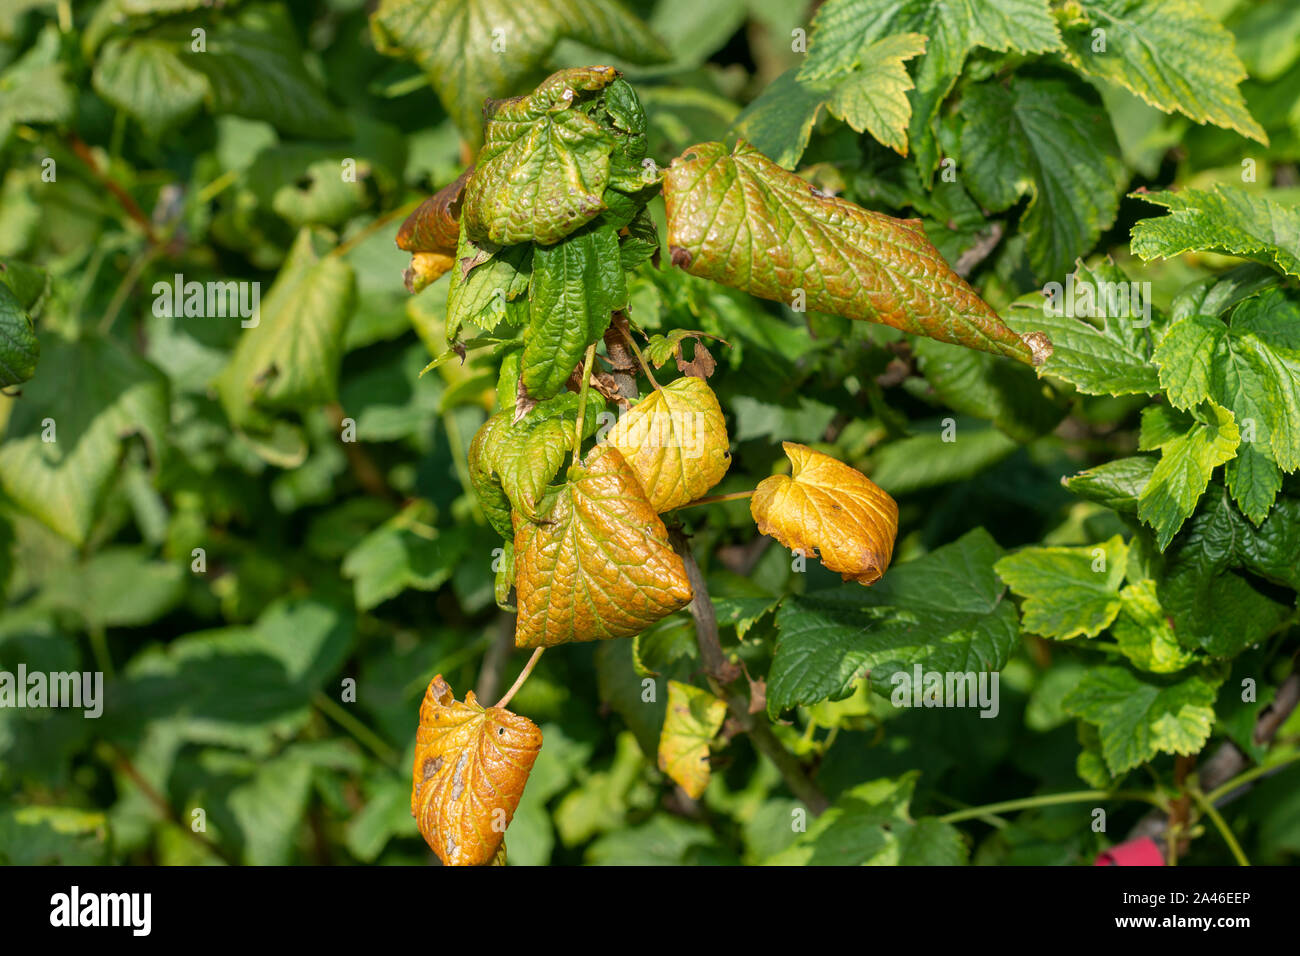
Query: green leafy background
x=1116, y=533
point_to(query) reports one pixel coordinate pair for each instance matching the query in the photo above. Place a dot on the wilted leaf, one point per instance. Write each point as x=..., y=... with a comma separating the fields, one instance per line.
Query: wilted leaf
x=434, y=226
x=471, y=765
x=675, y=440
x=828, y=507
x=598, y=565
x=544, y=164
x=693, y=719
x=740, y=219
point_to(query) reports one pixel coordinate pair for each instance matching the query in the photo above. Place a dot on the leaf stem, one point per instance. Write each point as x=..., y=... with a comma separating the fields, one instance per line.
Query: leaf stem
x=714, y=499
x=1048, y=800
x=636, y=350
x=523, y=676
x=587, y=363
x=1254, y=773
x=1211, y=811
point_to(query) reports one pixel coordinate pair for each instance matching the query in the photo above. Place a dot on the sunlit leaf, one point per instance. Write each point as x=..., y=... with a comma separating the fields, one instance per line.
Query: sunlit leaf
x=693, y=719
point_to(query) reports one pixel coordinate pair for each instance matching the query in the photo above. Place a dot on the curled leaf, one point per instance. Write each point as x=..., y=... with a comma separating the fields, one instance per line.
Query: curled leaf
x=598, y=563
x=740, y=219
x=826, y=506
x=471, y=765
x=675, y=440
x=434, y=226
x=693, y=718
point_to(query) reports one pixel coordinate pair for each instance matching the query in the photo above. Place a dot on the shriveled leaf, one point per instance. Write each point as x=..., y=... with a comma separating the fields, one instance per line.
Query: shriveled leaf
x=544, y=164
x=453, y=42
x=740, y=219
x=1174, y=54
x=1224, y=219
x=1067, y=592
x=599, y=564
x=824, y=506
x=693, y=719
x=434, y=226
x=675, y=441
x=471, y=766
x=489, y=285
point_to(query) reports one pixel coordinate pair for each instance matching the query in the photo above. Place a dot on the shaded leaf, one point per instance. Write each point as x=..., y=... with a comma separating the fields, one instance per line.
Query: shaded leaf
x=693, y=719
x=471, y=766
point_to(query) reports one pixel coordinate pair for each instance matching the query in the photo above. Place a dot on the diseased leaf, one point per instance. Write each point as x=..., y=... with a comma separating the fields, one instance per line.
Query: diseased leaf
x=544, y=164
x=1144, y=633
x=739, y=219
x=453, y=42
x=599, y=564
x=693, y=719
x=1224, y=219
x=1141, y=715
x=675, y=441
x=431, y=233
x=489, y=285
x=1191, y=446
x=1067, y=592
x=824, y=506
x=471, y=766
x=1038, y=138
x=576, y=286
x=944, y=611
x=1172, y=53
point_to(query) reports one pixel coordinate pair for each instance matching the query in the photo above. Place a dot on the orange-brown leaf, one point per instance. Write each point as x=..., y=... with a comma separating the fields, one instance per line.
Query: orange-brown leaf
x=828, y=507
x=597, y=564
x=471, y=764
x=434, y=226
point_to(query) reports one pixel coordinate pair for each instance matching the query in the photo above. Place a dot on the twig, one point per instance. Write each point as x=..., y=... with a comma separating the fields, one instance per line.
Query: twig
x=622, y=362
x=582, y=402
x=523, y=676
x=645, y=366
x=124, y=198
x=717, y=667
x=714, y=499
x=360, y=732
x=361, y=235
x=1220, y=824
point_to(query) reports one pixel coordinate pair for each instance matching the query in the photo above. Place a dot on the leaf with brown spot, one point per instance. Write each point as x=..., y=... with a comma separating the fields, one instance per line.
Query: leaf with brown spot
x=693, y=719
x=740, y=219
x=824, y=506
x=471, y=765
x=675, y=440
x=597, y=564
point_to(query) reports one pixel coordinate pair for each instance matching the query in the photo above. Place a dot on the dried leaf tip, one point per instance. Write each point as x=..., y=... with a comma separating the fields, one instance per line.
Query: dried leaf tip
x=1040, y=347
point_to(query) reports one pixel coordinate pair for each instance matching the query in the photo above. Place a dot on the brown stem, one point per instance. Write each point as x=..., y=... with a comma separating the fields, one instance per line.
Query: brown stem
x=622, y=363
x=523, y=676
x=722, y=671
x=124, y=198
x=360, y=463
x=645, y=366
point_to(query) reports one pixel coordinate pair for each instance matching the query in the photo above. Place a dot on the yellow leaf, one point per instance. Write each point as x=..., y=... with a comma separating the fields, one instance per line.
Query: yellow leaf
x=826, y=506
x=693, y=719
x=471, y=764
x=675, y=440
x=597, y=564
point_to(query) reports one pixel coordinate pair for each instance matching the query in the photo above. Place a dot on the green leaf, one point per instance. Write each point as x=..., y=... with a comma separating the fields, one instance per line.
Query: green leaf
x=290, y=358
x=404, y=552
x=1191, y=446
x=873, y=98
x=1141, y=715
x=254, y=68
x=869, y=824
x=1117, y=484
x=978, y=384
x=576, y=286
x=489, y=285
x=1172, y=53
x=927, y=460
x=147, y=78
x=1252, y=368
x=1098, y=332
x=739, y=219
x=35, y=88
x=844, y=30
x=19, y=347
x=1067, y=592
x=779, y=122
x=65, y=437
x=53, y=836
x=118, y=587
x=1225, y=219
x=944, y=611
x=1039, y=138
x=1144, y=633
x=454, y=43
